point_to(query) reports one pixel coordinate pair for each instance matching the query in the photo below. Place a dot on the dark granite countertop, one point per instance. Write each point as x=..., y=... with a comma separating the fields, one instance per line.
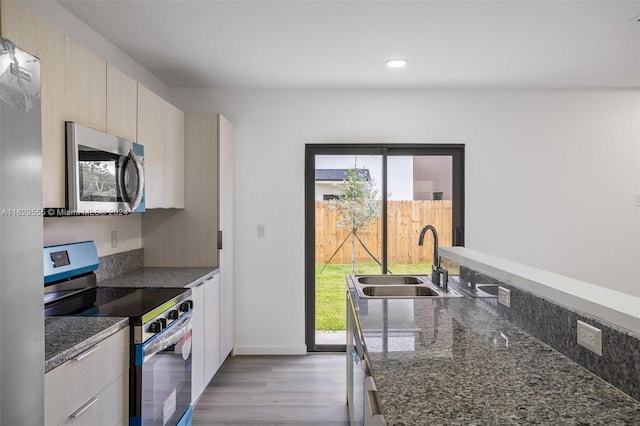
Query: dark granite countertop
x=455, y=362
x=157, y=277
x=66, y=337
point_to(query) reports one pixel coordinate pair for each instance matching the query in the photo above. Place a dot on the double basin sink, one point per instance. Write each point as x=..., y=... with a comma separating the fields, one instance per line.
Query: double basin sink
x=398, y=287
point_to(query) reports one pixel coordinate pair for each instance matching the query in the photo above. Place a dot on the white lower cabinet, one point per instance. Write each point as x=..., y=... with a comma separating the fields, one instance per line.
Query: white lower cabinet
x=92, y=388
x=206, y=333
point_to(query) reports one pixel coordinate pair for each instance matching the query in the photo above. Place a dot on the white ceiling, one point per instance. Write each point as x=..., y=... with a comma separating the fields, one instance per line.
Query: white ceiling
x=343, y=44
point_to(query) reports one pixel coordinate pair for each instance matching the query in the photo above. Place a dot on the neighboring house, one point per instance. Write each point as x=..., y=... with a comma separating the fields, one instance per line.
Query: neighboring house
x=325, y=178
x=410, y=178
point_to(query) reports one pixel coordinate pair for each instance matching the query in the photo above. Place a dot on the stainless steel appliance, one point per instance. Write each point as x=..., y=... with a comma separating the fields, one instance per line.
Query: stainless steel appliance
x=105, y=173
x=160, y=319
x=21, y=328
x=362, y=394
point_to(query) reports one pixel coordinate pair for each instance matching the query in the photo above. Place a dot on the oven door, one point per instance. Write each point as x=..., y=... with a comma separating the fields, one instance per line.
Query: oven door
x=161, y=389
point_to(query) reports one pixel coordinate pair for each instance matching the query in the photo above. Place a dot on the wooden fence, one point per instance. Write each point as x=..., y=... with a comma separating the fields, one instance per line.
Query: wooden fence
x=405, y=221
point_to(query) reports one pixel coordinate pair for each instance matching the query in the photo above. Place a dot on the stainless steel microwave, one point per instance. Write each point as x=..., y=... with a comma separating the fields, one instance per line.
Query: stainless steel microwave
x=105, y=173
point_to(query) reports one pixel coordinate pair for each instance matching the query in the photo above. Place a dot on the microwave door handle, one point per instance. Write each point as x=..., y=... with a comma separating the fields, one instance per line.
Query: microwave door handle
x=140, y=169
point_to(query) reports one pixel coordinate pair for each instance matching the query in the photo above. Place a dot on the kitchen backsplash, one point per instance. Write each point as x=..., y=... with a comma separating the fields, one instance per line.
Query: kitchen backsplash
x=119, y=263
x=556, y=326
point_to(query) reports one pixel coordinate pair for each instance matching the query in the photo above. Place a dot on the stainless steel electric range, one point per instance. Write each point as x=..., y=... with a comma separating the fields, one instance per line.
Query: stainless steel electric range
x=160, y=328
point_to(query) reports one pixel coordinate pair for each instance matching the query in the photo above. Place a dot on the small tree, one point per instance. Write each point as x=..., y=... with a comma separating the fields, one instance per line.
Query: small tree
x=355, y=205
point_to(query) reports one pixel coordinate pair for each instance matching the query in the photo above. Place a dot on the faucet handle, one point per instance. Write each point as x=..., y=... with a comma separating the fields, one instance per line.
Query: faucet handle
x=445, y=278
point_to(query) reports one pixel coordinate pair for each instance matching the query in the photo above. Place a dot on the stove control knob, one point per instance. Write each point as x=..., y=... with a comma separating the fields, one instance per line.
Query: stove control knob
x=163, y=323
x=155, y=327
x=174, y=314
x=185, y=306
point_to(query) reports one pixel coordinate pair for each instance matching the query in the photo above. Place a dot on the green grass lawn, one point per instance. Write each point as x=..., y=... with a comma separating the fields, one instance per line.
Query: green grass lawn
x=331, y=288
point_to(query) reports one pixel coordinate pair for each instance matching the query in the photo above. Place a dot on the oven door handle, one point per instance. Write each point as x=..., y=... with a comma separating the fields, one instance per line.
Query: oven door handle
x=172, y=335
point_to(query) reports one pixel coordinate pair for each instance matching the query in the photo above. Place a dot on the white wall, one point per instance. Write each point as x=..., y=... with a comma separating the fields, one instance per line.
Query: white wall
x=550, y=181
x=61, y=230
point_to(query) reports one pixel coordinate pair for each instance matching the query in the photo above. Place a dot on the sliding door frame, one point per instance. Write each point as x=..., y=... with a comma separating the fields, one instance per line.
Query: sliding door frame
x=456, y=151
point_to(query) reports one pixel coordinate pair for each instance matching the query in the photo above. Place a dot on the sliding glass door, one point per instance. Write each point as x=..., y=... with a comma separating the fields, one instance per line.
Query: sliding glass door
x=365, y=208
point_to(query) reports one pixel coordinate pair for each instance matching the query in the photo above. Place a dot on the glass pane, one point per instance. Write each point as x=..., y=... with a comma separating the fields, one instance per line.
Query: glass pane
x=348, y=234
x=419, y=194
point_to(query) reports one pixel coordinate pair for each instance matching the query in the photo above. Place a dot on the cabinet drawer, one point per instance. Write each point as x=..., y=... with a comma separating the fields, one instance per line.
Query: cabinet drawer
x=72, y=384
x=106, y=408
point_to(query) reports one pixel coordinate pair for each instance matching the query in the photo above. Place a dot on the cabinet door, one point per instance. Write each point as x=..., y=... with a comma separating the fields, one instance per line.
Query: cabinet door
x=211, y=327
x=52, y=71
x=20, y=26
x=226, y=150
x=35, y=35
x=122, y=104
x=174, y=157
x=151, y=135
x=197, y=345
x=85, y=82
x=67, y=389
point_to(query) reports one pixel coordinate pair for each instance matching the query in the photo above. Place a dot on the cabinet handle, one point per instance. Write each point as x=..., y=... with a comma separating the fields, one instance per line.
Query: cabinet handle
x=199, y=284
x=210, y=278
x=373, y=403
x=80, y=411
x=86, y=353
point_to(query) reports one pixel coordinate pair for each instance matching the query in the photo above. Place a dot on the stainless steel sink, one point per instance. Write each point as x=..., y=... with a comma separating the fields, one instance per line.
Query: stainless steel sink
x=398, y=287
x=396, y=291
x=389, y=280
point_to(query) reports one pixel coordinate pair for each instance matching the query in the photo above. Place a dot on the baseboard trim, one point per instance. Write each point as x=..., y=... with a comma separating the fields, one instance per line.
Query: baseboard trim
x=270, y=350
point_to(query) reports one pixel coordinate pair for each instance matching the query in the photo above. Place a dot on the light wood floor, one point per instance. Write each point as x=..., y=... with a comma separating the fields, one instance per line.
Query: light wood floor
x=276, y=390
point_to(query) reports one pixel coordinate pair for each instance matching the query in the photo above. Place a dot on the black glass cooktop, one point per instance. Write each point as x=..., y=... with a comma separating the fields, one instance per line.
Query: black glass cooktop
x=112, y=302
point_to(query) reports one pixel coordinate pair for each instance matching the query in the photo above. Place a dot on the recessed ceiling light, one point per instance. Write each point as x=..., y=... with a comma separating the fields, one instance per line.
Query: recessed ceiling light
x=397, y=63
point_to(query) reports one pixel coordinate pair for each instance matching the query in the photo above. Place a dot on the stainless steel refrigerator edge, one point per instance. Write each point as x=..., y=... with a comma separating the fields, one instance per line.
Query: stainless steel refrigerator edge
x=21, y=240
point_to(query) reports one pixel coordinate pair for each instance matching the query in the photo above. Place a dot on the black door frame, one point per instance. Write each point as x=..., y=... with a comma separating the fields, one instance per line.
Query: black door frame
x=456, y=151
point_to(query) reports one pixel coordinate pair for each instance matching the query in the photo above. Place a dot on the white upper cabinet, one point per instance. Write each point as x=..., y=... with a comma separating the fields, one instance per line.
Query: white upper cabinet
x=85, y=85
x=122, y=104
x=174, y=157
x=151, y=135
x=161, y=131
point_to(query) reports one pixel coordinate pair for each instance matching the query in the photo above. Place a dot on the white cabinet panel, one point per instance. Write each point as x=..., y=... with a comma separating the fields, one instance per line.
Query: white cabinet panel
x=211, y=327
x=226, y=191
x=75, y=383
x=122, y=104
x=206, y=333
x=161, y=131
x=197, y=346
x=85, y=85
x=151, y=135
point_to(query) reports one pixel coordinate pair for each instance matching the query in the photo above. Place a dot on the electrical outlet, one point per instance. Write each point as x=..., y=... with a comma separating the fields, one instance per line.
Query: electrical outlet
x=261, y=231
x=114, y=239
x=590, y=337
x=504, y=296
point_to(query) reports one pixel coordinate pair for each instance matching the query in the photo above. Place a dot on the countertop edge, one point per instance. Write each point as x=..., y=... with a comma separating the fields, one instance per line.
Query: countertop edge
x=616, y=308
x=66, y=355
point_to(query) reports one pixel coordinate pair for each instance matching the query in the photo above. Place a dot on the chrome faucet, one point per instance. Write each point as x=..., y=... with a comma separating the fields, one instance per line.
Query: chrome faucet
x=439, y=275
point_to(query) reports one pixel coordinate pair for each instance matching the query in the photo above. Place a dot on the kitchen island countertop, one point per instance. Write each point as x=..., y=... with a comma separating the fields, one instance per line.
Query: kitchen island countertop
x=455, y=362
x=66, y=337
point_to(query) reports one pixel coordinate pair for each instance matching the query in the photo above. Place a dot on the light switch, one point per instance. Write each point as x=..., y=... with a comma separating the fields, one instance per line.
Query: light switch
x=261, y=231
